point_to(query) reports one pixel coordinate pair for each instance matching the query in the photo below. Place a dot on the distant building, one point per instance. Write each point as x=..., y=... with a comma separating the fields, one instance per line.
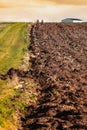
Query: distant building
x=72, y=20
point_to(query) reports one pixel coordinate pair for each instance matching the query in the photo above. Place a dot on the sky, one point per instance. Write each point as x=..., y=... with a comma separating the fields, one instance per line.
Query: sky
x=48, y=10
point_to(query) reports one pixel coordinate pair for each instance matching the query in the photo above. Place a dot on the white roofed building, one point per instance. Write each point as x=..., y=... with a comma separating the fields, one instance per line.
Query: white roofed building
x=72, y=20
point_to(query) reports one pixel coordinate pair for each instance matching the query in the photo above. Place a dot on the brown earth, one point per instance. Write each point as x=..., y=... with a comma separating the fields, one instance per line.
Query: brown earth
x=59, y=65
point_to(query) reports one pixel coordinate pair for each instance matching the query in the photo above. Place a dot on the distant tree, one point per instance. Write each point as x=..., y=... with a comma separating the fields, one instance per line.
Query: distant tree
x=37, y=21
x=42, y=21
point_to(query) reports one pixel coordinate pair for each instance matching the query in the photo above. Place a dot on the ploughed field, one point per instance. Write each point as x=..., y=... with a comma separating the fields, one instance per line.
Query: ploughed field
x=59, y=65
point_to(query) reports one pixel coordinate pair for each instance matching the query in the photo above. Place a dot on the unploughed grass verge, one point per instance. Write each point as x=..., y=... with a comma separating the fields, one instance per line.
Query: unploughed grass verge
x=15, y=96
x=13, y=101
x=13, y=45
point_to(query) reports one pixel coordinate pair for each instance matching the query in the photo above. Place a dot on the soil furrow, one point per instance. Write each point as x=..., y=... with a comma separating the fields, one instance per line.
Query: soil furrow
x=59, y=65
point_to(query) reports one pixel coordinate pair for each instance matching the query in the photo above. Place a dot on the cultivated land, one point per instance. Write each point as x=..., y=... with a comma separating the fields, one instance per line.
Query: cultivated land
x=43, y=76
x=59, y=65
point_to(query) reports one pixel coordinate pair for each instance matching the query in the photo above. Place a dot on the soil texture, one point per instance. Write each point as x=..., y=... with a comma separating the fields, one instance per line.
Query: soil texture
x=59, y=66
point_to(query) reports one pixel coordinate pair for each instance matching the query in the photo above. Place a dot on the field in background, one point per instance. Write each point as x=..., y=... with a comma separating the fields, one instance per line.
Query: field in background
x=12, y=45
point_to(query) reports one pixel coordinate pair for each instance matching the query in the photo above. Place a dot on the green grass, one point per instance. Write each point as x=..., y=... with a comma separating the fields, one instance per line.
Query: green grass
x=13, y=100
x=9, y=105
x=12, y=45
x=6, y=108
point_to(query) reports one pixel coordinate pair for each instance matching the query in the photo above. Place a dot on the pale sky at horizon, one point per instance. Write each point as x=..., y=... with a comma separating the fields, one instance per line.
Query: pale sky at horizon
x=49, y=10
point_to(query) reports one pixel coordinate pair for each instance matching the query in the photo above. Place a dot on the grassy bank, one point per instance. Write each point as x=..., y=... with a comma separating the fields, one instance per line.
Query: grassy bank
x=15, y=94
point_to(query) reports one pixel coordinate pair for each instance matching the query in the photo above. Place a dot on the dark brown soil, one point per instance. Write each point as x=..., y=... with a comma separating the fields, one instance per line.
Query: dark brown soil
x=59, y=65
